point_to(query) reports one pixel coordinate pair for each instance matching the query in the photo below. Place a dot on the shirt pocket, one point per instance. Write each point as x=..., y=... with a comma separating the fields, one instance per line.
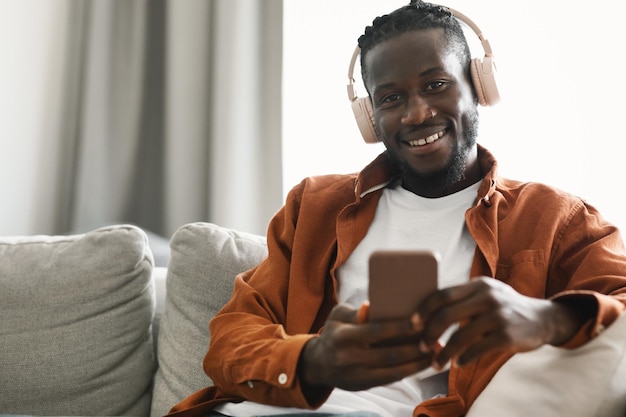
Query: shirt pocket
x=526, y=271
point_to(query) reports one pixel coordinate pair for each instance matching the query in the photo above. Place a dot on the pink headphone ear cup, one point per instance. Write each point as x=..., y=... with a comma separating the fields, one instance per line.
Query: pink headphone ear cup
x=483, y=77
x=364, y=115
x=478, y=86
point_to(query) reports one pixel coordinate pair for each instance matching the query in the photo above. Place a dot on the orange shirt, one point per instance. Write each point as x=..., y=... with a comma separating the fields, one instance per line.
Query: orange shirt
x=543, y=242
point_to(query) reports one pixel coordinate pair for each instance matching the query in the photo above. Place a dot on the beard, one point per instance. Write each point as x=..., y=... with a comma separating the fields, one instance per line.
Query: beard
x=437, y=183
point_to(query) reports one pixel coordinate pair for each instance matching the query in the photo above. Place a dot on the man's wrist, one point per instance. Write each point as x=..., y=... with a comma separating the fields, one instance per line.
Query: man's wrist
x=314, y=392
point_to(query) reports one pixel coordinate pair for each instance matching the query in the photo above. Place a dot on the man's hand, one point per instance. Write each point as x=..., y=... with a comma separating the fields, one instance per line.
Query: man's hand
x=496, y=317
x=350, y=352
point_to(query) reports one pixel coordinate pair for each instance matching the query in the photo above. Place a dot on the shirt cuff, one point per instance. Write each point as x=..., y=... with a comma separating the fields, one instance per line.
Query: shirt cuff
x=607, y=310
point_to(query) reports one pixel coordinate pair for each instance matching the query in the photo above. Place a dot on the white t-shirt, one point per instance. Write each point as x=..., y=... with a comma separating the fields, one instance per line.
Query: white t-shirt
x=403, y=220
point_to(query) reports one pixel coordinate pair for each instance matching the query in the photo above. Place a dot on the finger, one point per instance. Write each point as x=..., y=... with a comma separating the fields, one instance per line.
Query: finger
x=460, y=312
x=457, y=293
x=359, y=379
x=363, y=313
x=366, y=334
x=356, y=366
x=392, y=332
x=343, y=313
x=490, y=343
x=391, y=374
x=390, y=356
x=510, y=330
x=464, y=338
x=444, y=297
x=350, y=326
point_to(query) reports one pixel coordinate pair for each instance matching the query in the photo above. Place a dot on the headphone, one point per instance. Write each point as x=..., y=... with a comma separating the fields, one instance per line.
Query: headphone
x=482, y=72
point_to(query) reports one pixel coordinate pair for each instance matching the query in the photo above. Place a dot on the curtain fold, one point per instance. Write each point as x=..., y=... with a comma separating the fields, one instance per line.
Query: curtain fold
x=170, y=113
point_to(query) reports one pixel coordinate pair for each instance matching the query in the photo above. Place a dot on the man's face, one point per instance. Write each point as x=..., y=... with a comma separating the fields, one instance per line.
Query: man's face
x=424, y=109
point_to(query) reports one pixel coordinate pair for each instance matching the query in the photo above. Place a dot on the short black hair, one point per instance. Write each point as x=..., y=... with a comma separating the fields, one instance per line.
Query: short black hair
x=417, y=15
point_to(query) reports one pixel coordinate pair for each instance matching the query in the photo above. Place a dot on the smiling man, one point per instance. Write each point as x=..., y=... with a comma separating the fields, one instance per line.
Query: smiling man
x=425, y=111
x=521, y=265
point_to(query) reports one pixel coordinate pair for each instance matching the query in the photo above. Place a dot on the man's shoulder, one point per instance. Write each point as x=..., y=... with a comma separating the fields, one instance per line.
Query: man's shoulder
x=531, y=186
x=327, y=183
x=536, y=193
x=323, y=194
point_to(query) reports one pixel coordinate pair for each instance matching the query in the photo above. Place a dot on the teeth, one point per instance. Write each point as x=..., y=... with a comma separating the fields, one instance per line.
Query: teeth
x=424, y=141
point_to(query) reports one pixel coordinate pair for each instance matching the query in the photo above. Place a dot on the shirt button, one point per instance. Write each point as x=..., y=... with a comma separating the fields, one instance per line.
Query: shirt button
x=282, y=378
x=250, y=384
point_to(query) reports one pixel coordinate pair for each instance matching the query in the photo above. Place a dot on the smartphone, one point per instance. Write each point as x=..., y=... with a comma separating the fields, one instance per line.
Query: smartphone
x=399, y=280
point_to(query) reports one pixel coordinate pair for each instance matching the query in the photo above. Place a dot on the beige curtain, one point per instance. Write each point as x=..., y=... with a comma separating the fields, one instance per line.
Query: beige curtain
x=169, y=112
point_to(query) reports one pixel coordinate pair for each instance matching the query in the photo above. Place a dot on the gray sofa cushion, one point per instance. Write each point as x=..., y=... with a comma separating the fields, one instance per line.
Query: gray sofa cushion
x=75, y=329
x=205, y=259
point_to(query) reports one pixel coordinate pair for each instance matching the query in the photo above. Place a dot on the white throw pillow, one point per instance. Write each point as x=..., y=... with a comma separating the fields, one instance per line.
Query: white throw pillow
x=589, y=381
x=75, y=324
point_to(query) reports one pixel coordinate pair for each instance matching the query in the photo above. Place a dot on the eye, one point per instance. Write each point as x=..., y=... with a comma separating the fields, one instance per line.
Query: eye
x=436, y=85
x=390, y=98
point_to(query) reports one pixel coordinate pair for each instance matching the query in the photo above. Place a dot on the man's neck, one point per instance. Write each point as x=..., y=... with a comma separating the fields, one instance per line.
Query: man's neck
x=442, y=184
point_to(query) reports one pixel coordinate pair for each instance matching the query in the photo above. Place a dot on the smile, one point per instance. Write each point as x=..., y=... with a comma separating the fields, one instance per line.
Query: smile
x=429, y=139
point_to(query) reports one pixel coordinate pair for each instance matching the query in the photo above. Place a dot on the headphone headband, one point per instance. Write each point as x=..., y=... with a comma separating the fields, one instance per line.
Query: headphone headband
x=460, y=16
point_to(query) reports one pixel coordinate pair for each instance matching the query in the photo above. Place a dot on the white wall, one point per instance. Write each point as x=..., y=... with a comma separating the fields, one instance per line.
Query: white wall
x=560, y=73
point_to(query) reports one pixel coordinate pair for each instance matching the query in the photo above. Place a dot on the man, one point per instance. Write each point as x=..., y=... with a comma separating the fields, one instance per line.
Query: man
x=522, y=265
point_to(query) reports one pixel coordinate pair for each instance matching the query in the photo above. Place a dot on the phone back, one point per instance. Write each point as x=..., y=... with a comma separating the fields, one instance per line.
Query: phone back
x=399, y=281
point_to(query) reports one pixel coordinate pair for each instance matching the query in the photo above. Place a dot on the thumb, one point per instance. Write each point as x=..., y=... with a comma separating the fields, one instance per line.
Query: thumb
x=362, y=316
x=346, y=314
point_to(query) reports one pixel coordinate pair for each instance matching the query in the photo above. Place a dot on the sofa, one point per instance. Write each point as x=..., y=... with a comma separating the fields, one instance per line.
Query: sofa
x=90, y=327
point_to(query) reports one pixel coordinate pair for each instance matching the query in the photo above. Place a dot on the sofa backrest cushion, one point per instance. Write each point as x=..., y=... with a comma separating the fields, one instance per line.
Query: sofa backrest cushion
x=75, y=335
x=205, y=258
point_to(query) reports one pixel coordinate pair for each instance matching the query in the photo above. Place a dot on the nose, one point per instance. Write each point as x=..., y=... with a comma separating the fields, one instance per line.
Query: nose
x=416, y=112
